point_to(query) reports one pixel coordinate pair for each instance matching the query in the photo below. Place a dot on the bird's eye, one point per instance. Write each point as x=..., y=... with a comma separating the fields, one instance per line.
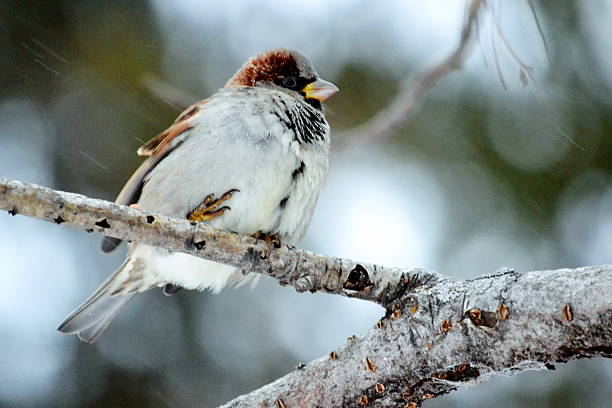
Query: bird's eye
x=289, y=82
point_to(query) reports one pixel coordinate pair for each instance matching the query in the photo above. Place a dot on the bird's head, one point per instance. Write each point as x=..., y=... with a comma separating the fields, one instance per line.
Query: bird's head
x=285, y=70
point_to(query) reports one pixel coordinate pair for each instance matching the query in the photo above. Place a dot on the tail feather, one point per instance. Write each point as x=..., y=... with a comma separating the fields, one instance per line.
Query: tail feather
x=92, y=317
x=91, y=333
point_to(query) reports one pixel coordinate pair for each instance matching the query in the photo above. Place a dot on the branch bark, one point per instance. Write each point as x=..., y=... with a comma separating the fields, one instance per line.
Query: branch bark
x=304, y=270
x=457, y=333
x=438, y=334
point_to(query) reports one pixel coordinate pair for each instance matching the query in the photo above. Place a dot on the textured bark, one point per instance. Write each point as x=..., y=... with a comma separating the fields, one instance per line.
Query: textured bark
x=303, y=270
x=438, y=334
x=456, y=333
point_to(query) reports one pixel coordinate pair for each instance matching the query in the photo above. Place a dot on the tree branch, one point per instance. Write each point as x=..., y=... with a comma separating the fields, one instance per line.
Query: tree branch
x=304, y=270
x=438, y=333
x=408, y=101
x=453, y=334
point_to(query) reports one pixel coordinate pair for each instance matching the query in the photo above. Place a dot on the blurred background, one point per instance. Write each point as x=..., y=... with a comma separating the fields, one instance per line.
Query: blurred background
x=498, y=169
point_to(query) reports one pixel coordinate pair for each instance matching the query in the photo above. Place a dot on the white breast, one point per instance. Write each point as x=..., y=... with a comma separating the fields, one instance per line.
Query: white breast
x=237, y=142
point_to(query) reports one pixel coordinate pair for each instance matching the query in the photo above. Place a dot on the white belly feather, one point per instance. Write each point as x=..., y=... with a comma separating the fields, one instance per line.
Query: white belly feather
x=184, y=270
x=260, y=166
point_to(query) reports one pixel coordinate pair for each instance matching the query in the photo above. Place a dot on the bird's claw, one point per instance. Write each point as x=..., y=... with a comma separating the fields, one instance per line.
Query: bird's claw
x=271, y=240
x=209, y=209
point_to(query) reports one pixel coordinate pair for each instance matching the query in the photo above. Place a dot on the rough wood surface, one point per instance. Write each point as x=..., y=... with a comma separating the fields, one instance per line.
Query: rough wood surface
x=439, y=333
x=304, y=270
x=457, y=333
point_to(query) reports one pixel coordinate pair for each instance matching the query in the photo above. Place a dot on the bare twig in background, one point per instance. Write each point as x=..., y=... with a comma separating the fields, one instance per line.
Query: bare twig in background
x=536, y=19
x=412, y=92
x=438, y=333
x=401, y=109
x=525, y=71
x=171, y=95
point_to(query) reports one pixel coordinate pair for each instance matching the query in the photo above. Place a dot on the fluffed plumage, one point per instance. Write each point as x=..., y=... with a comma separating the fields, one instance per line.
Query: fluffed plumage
x=262, y=140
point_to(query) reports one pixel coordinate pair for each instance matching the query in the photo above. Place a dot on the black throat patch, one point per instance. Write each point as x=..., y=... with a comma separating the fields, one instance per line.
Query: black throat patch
x=306, y=122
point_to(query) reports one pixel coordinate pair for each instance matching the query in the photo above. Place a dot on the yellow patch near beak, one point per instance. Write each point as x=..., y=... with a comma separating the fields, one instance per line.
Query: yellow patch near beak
x=320, y=90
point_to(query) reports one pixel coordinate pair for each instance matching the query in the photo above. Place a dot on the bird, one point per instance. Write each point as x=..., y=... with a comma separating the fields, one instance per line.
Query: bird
x=252, y=158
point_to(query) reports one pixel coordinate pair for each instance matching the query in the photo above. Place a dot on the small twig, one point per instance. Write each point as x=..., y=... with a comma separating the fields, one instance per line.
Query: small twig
x=524, y=69
x=171, y=95
x=409, y=99
x=498, y=69
x=540, y=29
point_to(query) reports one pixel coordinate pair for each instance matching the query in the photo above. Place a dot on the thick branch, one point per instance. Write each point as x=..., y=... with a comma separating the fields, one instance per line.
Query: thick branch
x=439, y=333
x=408, y=101
x=302, y=269
x=453, y=334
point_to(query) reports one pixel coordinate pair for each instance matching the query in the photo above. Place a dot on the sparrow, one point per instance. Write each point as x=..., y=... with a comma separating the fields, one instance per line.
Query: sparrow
x=252, y=158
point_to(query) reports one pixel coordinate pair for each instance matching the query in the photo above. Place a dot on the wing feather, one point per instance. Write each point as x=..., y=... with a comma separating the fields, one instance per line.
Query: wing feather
x=156, y=149
x=162, y=141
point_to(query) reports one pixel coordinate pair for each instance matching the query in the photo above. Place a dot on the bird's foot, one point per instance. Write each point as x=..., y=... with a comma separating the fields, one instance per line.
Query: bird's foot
x=209, y=209
x=272, y=241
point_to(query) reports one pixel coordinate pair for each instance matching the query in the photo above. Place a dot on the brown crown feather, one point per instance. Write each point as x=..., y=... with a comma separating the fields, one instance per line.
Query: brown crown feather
x=268, y=67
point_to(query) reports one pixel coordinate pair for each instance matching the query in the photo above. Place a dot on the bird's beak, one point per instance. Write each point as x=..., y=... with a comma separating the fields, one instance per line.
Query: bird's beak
x=320, y=90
